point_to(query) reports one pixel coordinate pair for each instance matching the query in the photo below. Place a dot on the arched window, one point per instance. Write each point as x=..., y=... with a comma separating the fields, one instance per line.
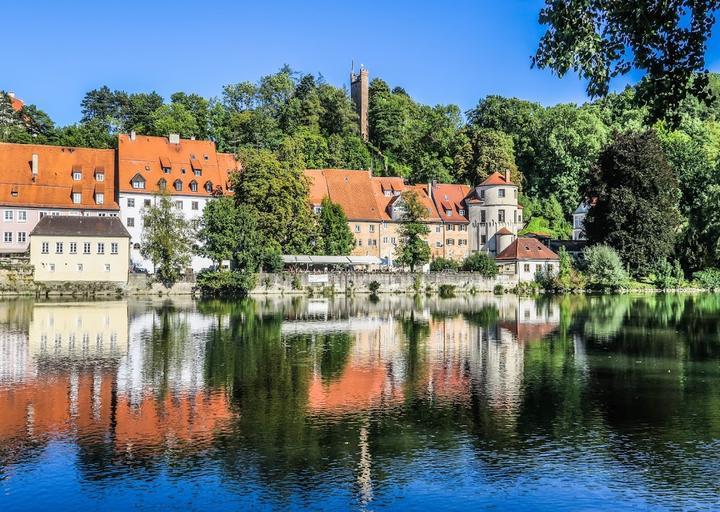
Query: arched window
x=162, y=184
x=208, y=186
x=193, y=186
x=177, y=185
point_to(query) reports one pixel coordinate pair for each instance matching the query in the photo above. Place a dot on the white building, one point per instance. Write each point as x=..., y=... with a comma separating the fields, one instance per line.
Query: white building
x=191, y=171
x=579, y=215
x=493, y=210
x=526, y=257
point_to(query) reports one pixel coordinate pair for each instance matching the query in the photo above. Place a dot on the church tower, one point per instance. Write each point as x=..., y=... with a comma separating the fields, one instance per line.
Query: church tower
x=359, y=92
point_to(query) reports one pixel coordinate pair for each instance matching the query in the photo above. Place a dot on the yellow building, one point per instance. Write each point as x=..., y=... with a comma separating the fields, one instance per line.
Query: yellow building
x=64, y=248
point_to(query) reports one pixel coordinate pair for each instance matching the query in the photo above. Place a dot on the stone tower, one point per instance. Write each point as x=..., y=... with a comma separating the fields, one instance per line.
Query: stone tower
x=361, y=97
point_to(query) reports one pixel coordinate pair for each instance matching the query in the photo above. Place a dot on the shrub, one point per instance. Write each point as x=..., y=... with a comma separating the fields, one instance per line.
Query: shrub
x=481, y=263
x=225, y=283
x=499, y=289
x=603, y=266
x=566, y=278
x=668, y=275
x=708, y=278
x=374, y=286
x=446, y=291
x=442, y=264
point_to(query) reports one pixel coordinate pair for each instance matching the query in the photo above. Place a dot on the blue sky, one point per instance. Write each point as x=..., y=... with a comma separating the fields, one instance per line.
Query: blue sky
x=440, y=52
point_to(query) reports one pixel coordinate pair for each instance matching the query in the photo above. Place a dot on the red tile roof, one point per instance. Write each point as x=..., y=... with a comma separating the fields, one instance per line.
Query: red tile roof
x=504, y=231
x=147, y=156
x=496, y=179
x=17, y=104
x=527, y=249
x=452, y=197
x=54, y=184
x=350, y=189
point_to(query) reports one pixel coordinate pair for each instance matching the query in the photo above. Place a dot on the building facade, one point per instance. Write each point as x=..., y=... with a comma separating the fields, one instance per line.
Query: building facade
x=64, y=248
x=192, y=172
x=38, y=181
x=526, y=257
x=492, y=207
x=579, y=215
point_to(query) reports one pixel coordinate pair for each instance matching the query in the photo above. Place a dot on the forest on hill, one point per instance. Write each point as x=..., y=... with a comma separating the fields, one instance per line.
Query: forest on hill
x=303, y=120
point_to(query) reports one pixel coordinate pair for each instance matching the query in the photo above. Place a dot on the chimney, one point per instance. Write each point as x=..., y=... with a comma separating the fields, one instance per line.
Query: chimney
x=192, y=137
x=132, y=135
x=174, y=138
x=507, y=175
x=431, y=184
x=35, y=165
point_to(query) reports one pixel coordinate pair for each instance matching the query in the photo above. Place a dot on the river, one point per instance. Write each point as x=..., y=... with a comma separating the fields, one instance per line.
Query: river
x=485, y=402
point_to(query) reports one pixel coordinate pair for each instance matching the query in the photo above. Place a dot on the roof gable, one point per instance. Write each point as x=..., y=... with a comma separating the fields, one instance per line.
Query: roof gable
x=524, y=248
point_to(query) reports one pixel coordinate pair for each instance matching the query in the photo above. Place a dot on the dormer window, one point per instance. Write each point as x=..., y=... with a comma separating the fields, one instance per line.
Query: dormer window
x=461, y=211
x=162, y=184
x=388, y=193
x=208, y=186
x=99, y=176
x=77, y=197
x=448, y=213
x=99, y=198
x=166, y=165
x=76, y=175
x=167, y=170
x=138, y=182
x=193, y=186
x=177, y=185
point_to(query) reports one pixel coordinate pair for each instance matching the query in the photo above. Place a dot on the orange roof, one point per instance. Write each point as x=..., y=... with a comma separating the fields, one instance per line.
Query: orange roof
x=504, y=231
x=54, y=184
x=452, y=197
x=422, y=192
x=527, y=249
x=391, y=185
x=350, y=189
x=17, y=104
x=496, y=179
x=147, y=156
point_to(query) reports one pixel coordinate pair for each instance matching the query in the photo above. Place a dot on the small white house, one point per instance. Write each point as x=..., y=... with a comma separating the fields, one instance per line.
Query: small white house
x=525, y=257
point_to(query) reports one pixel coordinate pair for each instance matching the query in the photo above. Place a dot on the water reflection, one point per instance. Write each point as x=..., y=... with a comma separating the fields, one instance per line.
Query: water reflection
x=326, y=403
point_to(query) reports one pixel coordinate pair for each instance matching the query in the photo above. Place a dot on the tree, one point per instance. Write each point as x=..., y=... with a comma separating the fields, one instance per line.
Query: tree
x=488, y=150
x=412, y=249
x=219, y=230
x=636, y=210
x=198, y=107
x=481, y=263
x=603, y=266
x=174, y=118
x=602, y=39
x=334, y=232
x=166, y=239
x=545, y=217
x=275, y=193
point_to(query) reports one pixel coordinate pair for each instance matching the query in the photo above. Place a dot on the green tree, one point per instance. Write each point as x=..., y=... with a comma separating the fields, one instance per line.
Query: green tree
x=220, y=230
x=166, y=239
x=545, y=217
x=603, y=266
x=174, y=118
x=487, y=151
x=636, y=211
x=199, y=108
x=412, y=249
x=481, y=263
x=334, y=232
x=602, y=39
x=275, y=193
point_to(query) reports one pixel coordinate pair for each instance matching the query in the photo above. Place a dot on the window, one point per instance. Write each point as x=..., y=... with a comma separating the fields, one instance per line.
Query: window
x=22, y=216
x=482, y=195
x=385, y=239
x=131, y=222
x=371, y=229
x=462, y=242
x=79, y=267
x=58, y=247
x=179, y=205
x=450, y=227
x=482, y=216
x=519, y=217
x=146, y=203
x=526, y=267
x=107, y=267
x=162, y=184
x=501, y=192
x=167, y=170
x=77, y=197
x=501, y=215
x=197, y=172
x=438, y=229
x=357, y=228
x=196, y=206
x=483, y=239
x=183, y=170
x=113, y=248
x=372, y=242
x=450, y=241
x=101, y=248
x=392, y=241
x=138, y=182
x=73, y=247
x=193, y=186
x=77, y=175
x=51, y=266
x=46, y=247
x=177, y=185
x=8, y=215
x=438, y=244
x=86, y=248
x=8, y=237
x=99, y=198
x=99, y=176
x=538, y=267
x=22, y=237
x=208, y=186
x=359, y=242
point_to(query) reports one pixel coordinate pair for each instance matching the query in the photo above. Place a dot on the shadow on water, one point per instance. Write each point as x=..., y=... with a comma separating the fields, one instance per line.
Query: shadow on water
x=328, y=403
